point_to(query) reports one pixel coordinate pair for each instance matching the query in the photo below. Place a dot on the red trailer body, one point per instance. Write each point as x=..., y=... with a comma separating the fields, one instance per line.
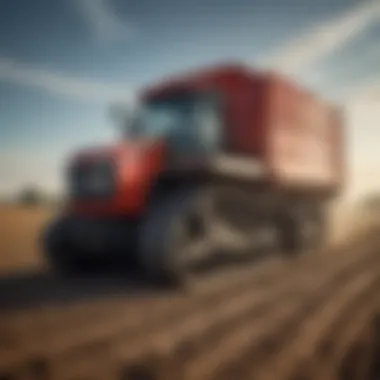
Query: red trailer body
x=301, y=139
x=295, y=135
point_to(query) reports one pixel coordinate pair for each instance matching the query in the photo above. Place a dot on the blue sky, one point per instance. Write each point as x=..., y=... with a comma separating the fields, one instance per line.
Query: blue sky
x=63, y=61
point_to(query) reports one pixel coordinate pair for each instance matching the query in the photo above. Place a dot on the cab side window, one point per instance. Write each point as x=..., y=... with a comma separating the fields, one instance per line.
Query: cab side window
x=208, y=124
x=199, y=132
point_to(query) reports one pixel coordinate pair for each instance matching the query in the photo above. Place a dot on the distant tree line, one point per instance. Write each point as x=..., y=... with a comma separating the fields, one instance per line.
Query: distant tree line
x=30, y=196
x=34, y=195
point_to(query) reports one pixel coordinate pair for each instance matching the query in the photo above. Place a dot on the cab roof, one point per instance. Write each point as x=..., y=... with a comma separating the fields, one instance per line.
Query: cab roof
x=201, y=79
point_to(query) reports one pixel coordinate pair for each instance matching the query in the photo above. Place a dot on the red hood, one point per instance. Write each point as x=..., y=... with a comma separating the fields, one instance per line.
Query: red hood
x=114, y=150
x=137, y=165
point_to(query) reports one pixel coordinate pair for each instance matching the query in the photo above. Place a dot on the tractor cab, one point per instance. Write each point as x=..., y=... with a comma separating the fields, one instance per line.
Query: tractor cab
x=187, y=123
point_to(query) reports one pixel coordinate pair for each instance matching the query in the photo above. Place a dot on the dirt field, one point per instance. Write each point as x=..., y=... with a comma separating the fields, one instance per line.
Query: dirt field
x=19, y=231
x=316, y=317
x=313, y=318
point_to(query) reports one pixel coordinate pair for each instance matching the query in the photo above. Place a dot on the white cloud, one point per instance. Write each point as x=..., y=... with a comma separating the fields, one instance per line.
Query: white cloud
x=106, y=26
x=343, y=80
x=302, y=53
x=103, y=21
x=60, y=84
x=366, y=93
x=363, y=161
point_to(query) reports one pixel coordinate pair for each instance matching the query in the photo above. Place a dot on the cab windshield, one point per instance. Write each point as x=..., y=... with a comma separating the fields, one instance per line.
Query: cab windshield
x=190, y=123
x=161, y=117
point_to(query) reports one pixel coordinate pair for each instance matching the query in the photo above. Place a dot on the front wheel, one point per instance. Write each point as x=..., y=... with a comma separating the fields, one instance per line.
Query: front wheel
x=174, y=234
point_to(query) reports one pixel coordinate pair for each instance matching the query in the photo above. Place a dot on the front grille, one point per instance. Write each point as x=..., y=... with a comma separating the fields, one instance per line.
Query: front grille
x=91, y=179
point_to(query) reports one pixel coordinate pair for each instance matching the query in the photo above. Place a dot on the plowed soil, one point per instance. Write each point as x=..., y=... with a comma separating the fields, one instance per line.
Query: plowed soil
x=312, y=317
x=20, y=229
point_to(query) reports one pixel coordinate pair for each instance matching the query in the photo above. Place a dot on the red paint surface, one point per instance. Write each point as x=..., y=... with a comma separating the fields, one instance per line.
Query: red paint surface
x=136, y=167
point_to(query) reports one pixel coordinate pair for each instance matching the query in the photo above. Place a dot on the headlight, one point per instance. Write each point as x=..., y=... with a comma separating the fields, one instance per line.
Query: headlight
x=97, y=183
x=93, y=179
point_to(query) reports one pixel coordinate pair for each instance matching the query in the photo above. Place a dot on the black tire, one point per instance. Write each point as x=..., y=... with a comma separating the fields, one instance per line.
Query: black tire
x=57, y=251
x=302, y=229
x=288, y=234
x=165, y=237
x=318, y=218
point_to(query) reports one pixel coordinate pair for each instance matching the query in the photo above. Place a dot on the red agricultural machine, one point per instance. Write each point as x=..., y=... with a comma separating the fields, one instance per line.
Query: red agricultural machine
x=222, y=158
